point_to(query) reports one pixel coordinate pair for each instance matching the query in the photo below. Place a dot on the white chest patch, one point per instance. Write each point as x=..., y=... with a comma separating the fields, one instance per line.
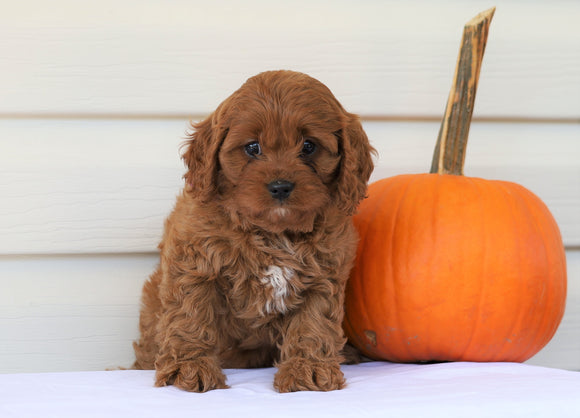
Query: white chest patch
x=278, y=278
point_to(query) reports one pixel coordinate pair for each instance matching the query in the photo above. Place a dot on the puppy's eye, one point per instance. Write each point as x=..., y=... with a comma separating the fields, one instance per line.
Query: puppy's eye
x=253, y=149
x=308, y=148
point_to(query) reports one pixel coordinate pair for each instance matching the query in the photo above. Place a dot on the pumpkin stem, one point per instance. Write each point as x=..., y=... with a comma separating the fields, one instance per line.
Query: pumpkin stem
x=449, y=155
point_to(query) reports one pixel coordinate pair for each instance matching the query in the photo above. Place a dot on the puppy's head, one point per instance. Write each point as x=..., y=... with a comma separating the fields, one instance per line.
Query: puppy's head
x=278, y=153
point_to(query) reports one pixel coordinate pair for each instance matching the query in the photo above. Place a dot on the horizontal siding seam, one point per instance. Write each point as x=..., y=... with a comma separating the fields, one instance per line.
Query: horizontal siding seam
x=198, y=116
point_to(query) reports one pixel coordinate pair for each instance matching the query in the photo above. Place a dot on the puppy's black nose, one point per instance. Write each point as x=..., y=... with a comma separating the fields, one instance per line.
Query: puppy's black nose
x=280, y=189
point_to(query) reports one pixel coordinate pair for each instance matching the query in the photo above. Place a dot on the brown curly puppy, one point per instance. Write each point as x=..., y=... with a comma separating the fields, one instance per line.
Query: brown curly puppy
x=256, y=253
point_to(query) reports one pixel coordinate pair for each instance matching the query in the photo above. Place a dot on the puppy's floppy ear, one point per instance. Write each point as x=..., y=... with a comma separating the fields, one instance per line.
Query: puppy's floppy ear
x=356, y=164
x=201, y=157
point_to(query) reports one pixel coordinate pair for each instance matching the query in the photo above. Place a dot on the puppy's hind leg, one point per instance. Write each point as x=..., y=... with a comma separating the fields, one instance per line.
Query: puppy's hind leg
x=146, y=347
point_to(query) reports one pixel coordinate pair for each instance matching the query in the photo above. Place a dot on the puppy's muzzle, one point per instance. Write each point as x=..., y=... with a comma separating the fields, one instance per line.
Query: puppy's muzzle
x=280, y=189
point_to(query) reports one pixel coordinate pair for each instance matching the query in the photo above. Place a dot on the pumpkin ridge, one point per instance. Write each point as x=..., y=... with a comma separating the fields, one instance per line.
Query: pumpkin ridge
x=535, y=336
x=514, y=210
x=409, y=186
x=524, y=209
x=371, y=215
x=540, y=334
x=544, y=333
x=438, y=183
x=355, y=308
x=482, y=289
x=428, y=338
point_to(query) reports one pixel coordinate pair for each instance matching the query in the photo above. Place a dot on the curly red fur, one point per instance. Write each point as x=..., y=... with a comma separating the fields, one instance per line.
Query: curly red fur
x=246, y=279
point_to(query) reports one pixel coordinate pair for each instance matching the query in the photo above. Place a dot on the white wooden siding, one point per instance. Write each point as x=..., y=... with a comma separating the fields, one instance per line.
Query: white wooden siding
x=65, y=313
x=95, y=100
x=102, y=186
x=379, y=57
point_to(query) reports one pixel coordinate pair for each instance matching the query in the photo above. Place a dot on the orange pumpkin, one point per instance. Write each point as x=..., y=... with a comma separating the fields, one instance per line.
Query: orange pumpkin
x=454, y=268
x=451, y=267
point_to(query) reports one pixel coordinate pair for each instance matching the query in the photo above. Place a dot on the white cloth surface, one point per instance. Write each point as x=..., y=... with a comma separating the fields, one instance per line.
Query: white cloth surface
x=373, y=389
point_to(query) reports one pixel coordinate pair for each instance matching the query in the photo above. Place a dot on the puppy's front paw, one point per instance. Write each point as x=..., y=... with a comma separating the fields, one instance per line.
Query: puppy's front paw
x=302, y=374
x=199, y=375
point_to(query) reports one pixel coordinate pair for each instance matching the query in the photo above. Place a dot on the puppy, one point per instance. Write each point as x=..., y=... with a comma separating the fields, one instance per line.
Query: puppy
x=257, y=251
